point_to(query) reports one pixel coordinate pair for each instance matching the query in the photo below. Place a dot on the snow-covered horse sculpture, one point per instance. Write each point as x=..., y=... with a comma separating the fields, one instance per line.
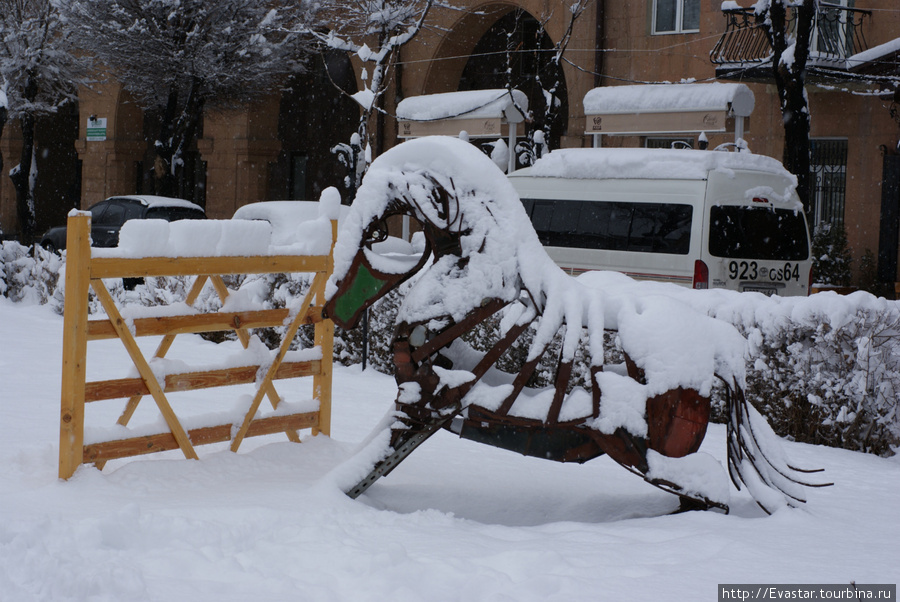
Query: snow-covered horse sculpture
x=482, y=257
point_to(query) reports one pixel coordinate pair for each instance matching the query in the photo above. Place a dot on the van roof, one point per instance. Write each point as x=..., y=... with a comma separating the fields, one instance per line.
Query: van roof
x=647, y=163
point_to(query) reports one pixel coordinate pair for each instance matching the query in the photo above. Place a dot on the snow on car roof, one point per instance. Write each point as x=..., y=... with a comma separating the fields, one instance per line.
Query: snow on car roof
x=468, y=104
x=286, y=217
x=160, y=201
x=646, y=163
x=276, y=211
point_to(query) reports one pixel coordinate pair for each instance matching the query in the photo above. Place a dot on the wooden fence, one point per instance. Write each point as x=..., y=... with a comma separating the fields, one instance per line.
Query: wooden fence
x=84, y=272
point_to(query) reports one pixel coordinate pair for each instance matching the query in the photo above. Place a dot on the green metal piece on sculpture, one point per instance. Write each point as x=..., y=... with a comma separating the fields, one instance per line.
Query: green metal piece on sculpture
x=364, y=287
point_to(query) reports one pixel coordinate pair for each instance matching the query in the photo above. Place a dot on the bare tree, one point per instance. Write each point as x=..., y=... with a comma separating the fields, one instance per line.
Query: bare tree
x=40, y=71
x=179, y=57
x=374, y=31
x=789, y=25
x=546, y=112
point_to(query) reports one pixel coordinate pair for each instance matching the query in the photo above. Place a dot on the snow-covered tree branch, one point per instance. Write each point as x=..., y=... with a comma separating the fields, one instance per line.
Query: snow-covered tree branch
x=179, y=57
x=547, y=114
x=39, y=71
x=374, y=31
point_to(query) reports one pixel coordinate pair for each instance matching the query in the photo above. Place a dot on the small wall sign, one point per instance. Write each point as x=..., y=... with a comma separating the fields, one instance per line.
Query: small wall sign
x=96, y=129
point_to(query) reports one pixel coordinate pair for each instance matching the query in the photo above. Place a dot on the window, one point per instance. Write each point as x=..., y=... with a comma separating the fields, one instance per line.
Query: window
x=676, y=16
x=133, y=209
x=741, y=232
x=113, y=216
x=828, y=171
x=832, y=35
x=612, y=226
x=97, y=212
x=173, y=214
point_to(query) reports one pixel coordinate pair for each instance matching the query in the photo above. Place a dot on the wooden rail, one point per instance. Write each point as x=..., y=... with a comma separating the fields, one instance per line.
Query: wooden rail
x=84, y=273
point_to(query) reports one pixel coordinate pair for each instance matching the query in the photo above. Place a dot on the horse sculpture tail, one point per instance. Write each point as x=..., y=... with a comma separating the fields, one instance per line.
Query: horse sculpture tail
x=755, y=457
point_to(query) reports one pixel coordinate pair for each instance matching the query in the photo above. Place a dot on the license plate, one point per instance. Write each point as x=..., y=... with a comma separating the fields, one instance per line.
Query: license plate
x=768, y=291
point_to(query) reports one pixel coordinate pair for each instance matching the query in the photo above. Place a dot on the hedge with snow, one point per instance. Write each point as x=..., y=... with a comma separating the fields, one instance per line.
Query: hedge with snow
x=822, y=369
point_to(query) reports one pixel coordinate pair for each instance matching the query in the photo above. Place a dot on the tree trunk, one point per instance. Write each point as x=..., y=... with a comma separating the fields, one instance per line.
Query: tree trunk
x=177, y=132
x=790, y=79
x=3, y=117
x=21, y=179
x=163, y=175
x=21, y=174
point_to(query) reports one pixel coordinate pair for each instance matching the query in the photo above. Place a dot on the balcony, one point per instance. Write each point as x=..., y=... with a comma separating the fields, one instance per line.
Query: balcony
x=743, y=52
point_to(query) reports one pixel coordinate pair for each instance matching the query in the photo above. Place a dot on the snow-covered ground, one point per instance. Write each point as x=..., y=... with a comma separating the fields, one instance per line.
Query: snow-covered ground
x=455, y=521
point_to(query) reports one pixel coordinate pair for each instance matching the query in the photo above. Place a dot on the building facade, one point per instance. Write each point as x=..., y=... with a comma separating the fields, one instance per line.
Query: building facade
x=281, y=148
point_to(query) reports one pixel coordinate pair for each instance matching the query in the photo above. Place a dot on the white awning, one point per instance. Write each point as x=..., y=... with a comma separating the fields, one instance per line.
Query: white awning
x=480, y=113
x=667, y=108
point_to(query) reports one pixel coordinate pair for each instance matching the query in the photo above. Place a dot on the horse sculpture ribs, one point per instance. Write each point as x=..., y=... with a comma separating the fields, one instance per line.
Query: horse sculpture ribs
x=483, y=260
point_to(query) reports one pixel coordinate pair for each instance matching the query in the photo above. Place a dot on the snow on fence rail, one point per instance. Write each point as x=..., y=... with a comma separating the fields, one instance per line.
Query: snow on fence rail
x=85, y=272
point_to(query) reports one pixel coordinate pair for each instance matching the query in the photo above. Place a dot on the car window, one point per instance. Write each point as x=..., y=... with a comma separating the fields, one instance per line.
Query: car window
x=173, y=214
x=133, y=210
x=113, y=216
x=742, y=232
x=613, y=225
x=97, y=211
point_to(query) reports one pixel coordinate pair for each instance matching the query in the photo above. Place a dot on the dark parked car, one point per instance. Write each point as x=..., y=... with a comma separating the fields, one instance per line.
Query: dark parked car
x=108, y=216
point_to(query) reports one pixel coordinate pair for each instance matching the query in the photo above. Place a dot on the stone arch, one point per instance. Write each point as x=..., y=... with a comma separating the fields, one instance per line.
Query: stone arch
x=471, y=55
x=531, y=69
x=436, y=62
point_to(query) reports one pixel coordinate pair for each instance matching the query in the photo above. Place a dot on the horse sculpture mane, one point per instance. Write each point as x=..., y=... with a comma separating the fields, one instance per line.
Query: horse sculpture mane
x=482, y=258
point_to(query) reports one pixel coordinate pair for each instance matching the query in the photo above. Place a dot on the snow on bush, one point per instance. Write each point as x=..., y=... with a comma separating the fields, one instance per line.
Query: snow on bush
x=823, y=369
x=832, y=261
x=830, y=377
x=28, y=274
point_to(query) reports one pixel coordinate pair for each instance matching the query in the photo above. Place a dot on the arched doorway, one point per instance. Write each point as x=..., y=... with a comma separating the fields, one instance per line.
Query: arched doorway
x=516, y=51
x=315, y=114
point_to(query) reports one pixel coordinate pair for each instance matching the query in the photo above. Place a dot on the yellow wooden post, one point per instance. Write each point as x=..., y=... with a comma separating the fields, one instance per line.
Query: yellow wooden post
x=74, y=360
x=324, y=338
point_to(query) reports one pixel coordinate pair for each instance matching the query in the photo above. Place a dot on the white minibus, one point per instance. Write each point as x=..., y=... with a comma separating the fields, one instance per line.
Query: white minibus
x=695, y=218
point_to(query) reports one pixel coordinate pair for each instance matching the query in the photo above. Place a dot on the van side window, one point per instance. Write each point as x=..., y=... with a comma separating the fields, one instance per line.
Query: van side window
x=741, y=232
x=612, y=226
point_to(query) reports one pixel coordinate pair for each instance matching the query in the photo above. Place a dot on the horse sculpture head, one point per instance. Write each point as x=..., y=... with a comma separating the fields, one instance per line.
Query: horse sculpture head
x=474, y=226
x=482, y=257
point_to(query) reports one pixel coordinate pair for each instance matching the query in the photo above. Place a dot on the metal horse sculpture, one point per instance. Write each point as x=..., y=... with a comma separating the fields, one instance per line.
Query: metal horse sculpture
x=482, y=258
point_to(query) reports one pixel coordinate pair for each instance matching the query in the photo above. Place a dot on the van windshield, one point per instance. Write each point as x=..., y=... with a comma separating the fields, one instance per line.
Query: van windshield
x=742, y=232
x=612, y=225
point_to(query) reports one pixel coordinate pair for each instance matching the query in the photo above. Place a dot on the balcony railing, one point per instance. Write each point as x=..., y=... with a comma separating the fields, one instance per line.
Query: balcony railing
x=837, y=35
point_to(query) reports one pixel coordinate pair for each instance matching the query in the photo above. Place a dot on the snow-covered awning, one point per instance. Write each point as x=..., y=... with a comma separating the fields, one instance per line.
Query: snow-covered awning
x=667, y=108
x=480, y=113
x=883, y=59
